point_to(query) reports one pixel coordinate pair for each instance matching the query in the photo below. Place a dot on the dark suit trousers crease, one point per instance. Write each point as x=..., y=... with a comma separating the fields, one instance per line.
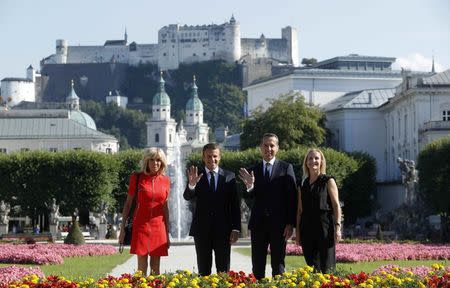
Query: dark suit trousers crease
x=261, y=238
x=205, y=244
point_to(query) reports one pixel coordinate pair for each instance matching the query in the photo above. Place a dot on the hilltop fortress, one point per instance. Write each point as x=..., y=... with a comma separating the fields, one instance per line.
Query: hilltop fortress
x=185, y=44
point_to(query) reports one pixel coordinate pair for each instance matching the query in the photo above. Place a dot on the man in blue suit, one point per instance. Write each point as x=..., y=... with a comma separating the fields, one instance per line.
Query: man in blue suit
x=217, y=217
x=271, y=183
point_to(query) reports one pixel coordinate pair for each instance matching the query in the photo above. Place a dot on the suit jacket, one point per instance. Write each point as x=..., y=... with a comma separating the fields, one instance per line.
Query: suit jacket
x=275, y=203
x=219, y=209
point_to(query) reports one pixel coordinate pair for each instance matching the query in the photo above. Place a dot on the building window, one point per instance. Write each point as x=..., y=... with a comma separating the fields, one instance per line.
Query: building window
x=3, y=150
x=52, y=149
x=24, y=149
x=156, y=137
x=170, y=138
x=446, y=115
x=77, y=148
x=108, y=151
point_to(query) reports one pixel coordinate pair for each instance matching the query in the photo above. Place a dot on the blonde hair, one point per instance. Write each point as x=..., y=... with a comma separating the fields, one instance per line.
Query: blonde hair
x=153, y=153
x=323, y=163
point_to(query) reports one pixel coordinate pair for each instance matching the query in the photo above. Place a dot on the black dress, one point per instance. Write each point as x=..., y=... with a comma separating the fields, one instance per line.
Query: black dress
x=317, y=225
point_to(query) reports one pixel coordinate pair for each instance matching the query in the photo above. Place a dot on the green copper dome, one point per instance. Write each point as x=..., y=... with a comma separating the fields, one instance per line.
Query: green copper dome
x=194, y=103
x=82, y=118
x=161, y=98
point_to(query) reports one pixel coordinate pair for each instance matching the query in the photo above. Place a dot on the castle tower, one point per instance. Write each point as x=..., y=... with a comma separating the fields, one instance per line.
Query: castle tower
x=196, y=129
x=61, y=51
x=31, y=74
x=290, y=34
x=161, y=128
x=234, y=31
x=73, y=101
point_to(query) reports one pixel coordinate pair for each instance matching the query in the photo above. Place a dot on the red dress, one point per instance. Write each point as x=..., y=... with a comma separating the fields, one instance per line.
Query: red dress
x=149, y=235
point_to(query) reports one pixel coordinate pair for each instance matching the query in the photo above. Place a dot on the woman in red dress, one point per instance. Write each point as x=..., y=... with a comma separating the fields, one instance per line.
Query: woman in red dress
x=150, y=235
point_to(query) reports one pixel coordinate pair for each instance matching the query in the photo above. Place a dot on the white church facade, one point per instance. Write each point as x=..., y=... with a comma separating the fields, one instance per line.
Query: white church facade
x=163, y=131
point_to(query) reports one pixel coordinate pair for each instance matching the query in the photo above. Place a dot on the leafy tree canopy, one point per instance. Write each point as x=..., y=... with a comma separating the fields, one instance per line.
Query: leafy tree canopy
x=434, y=171
x=290, y=118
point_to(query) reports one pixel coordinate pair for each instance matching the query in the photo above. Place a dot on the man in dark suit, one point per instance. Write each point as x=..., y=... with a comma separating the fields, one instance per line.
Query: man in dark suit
x=217, y=217
x=271, y=183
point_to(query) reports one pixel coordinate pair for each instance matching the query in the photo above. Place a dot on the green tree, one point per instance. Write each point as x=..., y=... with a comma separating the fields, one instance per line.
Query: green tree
x=309, y=61
x=434, y=180
x=127, y=125
x=290, y=118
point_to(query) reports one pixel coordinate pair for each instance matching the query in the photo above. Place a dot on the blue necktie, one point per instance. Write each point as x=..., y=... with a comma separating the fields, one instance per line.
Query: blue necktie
x=267, y=173
x=212, y=182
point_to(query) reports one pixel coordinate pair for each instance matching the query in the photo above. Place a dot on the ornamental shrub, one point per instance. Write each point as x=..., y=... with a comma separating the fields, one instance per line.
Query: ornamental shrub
x=75, y=236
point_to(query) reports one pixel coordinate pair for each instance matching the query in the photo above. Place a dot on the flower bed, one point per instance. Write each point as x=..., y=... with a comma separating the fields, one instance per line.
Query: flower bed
x=437, y=276
x=379, y=251
x=43, y=254
x=14, y=273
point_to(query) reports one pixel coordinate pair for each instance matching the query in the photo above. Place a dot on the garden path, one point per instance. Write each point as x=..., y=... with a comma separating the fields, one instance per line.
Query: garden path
x=182, y=257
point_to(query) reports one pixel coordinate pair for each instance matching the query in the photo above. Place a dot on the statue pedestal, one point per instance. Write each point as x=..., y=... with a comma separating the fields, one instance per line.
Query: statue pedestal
x=244, y=230
x=102, y=231
x=54, y=230
x=3, y=229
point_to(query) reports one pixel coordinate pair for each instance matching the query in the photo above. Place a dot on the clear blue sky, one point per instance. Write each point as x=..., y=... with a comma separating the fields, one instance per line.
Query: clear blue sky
x=410, y=30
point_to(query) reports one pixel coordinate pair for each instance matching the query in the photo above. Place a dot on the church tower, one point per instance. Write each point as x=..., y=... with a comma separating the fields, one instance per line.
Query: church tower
x=161, y=128
x=73, y=101
x=196, y=129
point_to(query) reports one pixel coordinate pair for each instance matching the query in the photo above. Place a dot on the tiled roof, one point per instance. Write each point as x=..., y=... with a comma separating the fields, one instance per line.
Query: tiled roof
x=370, y=98
x=442, y=78
x=46, y=128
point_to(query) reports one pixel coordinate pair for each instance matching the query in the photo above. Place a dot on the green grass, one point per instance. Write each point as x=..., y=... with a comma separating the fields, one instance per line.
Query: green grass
x=294, y=262
x=81, y=268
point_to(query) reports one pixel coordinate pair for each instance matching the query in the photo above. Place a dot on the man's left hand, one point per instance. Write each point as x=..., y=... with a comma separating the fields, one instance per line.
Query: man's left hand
x=234, y=236
x=288, y=230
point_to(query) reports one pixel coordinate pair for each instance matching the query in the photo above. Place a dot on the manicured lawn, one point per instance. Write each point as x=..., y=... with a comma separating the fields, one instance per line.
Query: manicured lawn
x=293, y=262
x=83, y=267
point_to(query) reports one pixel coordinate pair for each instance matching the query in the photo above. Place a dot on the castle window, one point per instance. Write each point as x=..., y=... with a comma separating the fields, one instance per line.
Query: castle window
x=194, y=54
x=24, y=149
x=157, y=110
x=170, y=138
x=156, y=137
x=52, y=149
x=164, y=54
x=163, y=109
x=108, y=151
x=446, y=115
x=77, y=148
x=204, y=54
x=3, y=150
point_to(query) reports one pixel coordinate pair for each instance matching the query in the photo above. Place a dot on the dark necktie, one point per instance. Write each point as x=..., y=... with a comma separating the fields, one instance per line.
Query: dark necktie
x=267, y=173
x=212, y=182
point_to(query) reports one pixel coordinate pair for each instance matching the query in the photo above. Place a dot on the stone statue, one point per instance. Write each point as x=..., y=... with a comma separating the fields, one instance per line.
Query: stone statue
x=410, y=178
x=54, y=213
x=245, y=212
x=4, y=211
x=103, y=213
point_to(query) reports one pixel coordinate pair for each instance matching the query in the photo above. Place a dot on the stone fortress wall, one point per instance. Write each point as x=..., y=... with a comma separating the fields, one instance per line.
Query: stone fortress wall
x=184, y=44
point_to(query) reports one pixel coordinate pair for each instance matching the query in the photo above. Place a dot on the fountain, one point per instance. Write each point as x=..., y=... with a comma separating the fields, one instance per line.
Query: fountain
x=180, y=216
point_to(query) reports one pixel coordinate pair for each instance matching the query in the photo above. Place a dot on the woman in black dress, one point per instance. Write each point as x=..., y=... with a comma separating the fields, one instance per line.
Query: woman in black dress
x=319, y=214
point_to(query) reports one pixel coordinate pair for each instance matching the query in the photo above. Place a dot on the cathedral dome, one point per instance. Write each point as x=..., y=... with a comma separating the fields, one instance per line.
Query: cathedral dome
x=82, y=118
x=161, y=98
x=194, y=103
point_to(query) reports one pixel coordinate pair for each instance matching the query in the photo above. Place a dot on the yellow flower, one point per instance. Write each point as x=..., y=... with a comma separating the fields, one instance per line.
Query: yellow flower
x=301, y=284
x=142, y=280
x=24, y=286
x=143, y=285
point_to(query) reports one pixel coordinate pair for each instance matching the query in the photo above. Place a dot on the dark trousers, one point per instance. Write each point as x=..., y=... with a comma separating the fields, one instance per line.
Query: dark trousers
x=204, y=246
x=319, y=254
x=261, y=238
